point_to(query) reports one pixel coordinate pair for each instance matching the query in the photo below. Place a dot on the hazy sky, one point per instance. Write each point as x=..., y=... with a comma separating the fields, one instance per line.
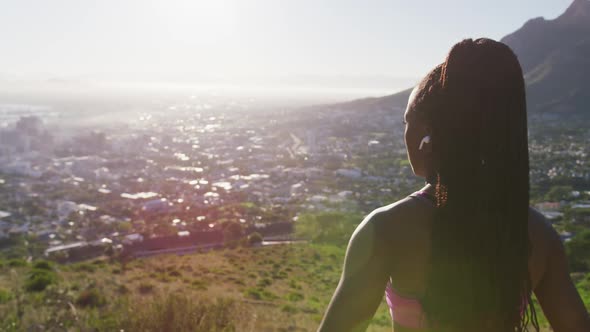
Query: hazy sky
x=361, y=43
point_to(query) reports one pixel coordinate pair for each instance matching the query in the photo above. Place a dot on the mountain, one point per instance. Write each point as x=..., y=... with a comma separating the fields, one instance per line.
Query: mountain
x=555, y=57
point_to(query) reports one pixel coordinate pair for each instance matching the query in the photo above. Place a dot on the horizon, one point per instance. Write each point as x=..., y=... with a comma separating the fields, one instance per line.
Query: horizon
x=283, y=49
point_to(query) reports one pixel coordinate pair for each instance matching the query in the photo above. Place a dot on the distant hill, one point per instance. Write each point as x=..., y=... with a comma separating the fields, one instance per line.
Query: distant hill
x=555, y=57
x=396, y=101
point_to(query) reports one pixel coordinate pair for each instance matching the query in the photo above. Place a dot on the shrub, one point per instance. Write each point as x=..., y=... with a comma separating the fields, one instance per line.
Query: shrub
x=254, y=238
x=267, y=295
x=253, y=293
x=38, y=280
x=122, y=289
x=90, y=298
x=289, y=309
x=42, y=265
x=174, y=273
x=293, y=284
x=578, y=251
x=232, y=232
x=17, y=262
x=145, y=288
x=264, y=282
x=199, y=284
x=5, y=296
x=84, y=267
x=280, y=275
x=295, y=296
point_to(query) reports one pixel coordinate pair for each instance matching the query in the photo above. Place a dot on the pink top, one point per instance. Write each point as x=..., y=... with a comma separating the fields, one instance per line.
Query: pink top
x=408, y=311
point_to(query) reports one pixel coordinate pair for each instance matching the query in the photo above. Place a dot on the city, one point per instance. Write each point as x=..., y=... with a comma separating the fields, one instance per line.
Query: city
x=180, y=180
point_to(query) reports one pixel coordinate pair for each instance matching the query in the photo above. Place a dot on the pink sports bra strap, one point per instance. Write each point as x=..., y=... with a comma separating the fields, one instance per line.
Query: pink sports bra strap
x=404, y=311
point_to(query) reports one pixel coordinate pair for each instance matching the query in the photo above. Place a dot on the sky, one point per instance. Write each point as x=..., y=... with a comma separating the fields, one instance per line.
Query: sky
x=365, y=44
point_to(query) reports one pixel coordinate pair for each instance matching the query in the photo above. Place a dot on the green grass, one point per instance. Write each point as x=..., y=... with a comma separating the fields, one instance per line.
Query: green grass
x=277, y=288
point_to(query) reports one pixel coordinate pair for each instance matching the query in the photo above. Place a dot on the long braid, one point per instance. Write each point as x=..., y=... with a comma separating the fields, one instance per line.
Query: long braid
x=475, y=105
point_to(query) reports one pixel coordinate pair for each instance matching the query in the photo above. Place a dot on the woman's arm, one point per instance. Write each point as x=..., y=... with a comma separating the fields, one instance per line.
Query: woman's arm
x=556, y=292
x=362, y=283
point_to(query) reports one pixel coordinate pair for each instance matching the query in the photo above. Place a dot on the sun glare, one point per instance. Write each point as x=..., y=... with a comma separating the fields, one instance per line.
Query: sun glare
x=207, y=19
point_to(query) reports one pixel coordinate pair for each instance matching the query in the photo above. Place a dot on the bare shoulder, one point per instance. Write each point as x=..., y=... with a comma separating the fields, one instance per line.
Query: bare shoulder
x=400, y=215
x=397, y=223
x=541, y=231
x=545, y=242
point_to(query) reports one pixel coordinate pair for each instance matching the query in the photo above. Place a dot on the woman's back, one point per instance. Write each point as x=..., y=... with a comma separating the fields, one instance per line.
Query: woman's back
x=407, y=225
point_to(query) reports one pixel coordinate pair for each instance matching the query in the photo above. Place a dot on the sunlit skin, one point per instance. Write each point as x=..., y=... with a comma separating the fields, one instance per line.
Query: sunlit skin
x=393, y=242
x=415, y=131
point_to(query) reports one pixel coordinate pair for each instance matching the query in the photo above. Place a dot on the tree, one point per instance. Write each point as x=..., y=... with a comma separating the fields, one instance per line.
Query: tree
x=232, y=232
x=578, y=251
x=558, y=193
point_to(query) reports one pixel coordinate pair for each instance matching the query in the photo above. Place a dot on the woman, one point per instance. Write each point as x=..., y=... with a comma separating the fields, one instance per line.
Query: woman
x=465, y=252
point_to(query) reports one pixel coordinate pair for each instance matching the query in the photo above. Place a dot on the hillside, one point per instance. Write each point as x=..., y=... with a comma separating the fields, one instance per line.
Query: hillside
x=555, y=57
x=277, y=288
x=273, y=288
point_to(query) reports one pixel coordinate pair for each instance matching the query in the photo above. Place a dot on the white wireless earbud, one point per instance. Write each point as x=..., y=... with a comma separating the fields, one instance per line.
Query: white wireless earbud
x=425, y=140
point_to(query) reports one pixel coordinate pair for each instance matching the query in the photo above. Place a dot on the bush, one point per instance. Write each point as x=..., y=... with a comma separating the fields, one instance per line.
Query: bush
x=289, y=309
x=253, y=293
x=5, y=296
x=232, y=232
x=145, y=288
x=38, y=280
x=259, y=294
x=199, y=284
x=264, y=282
x=17, y=262
x=578, y=251
x=90, y=298
x=122, y=289
x=175, y=273
x=84, y=267
x=559, y=193
x=293, y=284
x=254, y=238
x=43, y=265
x=295, y=296
x=267, y=295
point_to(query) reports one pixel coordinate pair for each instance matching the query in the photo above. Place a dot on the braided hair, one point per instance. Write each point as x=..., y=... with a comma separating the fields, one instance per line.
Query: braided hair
x=474, y=104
